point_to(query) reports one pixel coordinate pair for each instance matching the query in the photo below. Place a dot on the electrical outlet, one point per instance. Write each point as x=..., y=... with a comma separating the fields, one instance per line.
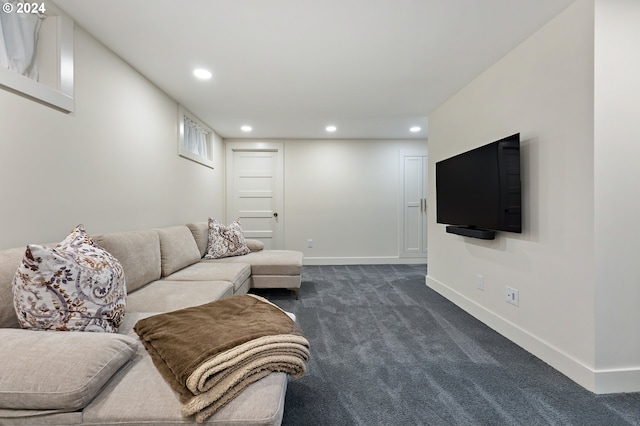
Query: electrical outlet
x=512, y=296
x=310, y=243
x=480, y=282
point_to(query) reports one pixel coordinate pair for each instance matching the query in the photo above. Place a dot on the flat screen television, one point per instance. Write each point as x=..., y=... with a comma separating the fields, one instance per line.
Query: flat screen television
x=478, y=192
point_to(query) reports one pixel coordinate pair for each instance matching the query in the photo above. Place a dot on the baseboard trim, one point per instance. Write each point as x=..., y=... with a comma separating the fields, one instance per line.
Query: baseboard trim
x=616, y=381
x=596, y=381
x=383, y=260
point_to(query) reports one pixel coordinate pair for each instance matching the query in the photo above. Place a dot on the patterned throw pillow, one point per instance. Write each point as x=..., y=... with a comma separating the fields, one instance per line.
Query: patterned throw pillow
x=225, y=241
x=76, y=286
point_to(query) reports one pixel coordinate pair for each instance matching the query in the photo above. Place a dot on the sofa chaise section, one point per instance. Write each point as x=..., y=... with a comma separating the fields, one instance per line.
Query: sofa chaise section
x=269, y=268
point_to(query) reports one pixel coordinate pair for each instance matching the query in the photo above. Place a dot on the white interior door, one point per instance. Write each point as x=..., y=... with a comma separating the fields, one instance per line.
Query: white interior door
x=414, y=206
x=254, y=172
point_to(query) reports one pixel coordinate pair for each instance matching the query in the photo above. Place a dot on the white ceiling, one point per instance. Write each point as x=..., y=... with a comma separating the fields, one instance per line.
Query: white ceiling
x=289, y=68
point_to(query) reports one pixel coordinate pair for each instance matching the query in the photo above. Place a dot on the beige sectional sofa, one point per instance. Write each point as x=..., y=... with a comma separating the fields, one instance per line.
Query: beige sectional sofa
x=107, y=379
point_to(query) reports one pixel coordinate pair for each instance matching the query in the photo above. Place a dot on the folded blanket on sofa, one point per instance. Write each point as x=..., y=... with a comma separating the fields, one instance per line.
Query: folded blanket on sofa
x=210, y=353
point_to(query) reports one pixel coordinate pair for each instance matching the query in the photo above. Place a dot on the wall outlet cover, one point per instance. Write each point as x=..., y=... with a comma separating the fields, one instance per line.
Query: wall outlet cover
x=512, y=296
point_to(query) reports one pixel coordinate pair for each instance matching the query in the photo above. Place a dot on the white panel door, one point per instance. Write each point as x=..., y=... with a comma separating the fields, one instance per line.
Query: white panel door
x=254, y=190
x=414, y=206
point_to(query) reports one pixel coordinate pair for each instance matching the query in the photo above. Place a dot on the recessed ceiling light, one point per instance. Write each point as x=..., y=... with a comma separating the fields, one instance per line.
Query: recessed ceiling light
x=415, y=129
x=246, y=128
x=201, y=73
x=331, y=128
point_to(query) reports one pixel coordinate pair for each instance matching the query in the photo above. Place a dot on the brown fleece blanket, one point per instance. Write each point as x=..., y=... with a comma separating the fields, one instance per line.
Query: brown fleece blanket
x=210, y=353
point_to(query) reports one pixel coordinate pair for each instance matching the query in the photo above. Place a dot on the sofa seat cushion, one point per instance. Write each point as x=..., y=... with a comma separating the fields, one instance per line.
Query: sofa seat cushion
x=9, y=416
x=268, y=262
x=61, y=371
x=236, y=273
x=140, y=395
x=168, y=295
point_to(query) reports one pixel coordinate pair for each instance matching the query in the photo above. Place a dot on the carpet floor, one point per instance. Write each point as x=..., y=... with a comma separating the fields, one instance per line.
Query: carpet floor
x=387, y=350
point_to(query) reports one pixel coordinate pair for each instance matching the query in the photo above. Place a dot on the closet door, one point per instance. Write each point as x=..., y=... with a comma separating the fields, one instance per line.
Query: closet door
x=414, y=206
x=254, y=190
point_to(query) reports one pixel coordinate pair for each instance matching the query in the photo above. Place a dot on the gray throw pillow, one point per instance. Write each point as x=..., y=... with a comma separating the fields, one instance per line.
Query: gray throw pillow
x=254, y=245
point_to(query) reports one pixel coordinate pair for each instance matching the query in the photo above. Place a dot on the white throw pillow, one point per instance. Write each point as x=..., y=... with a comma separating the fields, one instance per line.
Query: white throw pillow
x=76, y=286
x=225, y=241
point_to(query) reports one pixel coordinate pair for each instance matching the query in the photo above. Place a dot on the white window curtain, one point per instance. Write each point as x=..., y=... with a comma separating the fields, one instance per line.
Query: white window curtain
x=195, y=138
x=18, y=40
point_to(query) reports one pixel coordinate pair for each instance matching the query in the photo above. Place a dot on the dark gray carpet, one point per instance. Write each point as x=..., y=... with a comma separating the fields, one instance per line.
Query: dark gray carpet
x=387, y=350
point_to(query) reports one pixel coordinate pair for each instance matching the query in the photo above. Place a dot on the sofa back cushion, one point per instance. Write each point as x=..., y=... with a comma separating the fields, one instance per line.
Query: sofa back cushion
x=178, y=249
x=9, y=261
x=137, y=251
x=254, y=245
x=200, y=232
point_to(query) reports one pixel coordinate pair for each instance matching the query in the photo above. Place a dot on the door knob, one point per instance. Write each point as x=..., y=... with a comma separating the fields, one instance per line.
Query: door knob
x=275, y=215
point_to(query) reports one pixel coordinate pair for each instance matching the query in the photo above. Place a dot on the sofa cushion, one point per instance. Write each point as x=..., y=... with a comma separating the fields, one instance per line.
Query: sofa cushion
x=268, y=262
x=235, y=273
x=11, y=416
x=143, y=397
x=178, y=249
x=76, y=286
x=137, y=251
x=9, y=261
x=56, y=370
x=225, y=241
x=168, y=295
x=200, y=232
x=254, y=245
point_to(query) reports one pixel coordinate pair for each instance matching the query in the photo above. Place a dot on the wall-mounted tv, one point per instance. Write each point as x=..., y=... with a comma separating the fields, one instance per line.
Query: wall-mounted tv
x=478, y=192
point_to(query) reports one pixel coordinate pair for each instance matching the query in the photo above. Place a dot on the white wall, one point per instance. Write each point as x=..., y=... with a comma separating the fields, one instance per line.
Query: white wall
x=113, y=165
x=544, y=90
x=344, y=194
x=617, y=192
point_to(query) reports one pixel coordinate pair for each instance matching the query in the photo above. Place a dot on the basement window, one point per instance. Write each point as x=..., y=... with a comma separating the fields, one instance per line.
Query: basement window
x=195, y=139
x=48, y=78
